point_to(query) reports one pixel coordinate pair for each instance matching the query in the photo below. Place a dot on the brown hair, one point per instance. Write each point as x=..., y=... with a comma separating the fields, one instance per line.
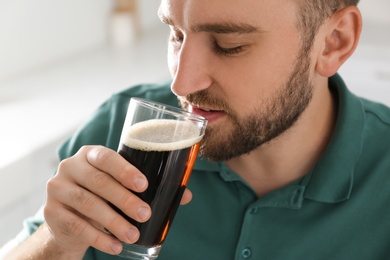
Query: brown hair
x=312, y=14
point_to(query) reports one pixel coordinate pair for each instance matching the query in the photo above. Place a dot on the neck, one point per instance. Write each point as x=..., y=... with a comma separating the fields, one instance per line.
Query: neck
x=295, y=152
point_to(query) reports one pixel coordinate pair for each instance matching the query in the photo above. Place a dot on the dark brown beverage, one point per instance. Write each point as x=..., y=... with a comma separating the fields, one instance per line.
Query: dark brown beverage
x=167, y=166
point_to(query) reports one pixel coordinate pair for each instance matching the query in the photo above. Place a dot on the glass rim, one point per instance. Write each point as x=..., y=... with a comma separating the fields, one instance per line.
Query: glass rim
x=176, y=111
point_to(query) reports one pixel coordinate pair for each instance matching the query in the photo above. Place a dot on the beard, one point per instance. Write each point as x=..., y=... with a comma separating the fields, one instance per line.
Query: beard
x=268, y=119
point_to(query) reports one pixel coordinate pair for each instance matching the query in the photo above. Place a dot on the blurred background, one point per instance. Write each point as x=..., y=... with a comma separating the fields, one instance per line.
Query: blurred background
x=59, y=60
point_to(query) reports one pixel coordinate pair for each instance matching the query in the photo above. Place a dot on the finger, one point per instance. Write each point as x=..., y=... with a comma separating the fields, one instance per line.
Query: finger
x=95, y=208
x=69, y=227
x=187, y=197
x=114, y=164
x=109, y=189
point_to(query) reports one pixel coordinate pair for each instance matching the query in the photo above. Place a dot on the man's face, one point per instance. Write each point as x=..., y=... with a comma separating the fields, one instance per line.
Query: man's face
x=237, y=65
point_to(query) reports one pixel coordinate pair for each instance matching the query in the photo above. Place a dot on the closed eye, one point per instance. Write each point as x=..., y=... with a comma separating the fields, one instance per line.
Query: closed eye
x=227, y=51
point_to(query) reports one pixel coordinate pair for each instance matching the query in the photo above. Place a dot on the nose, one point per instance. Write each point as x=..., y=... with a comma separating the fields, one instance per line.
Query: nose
x=190, y=67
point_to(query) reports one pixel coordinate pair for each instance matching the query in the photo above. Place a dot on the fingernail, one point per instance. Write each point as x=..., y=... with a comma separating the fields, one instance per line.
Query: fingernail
x=132, y=234
x=140, y=182
x=143, y=213
x=116, y=247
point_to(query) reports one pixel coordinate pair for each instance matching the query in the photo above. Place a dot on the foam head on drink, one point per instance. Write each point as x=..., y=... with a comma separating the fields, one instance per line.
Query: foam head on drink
x=164, y=151
x=161, y=135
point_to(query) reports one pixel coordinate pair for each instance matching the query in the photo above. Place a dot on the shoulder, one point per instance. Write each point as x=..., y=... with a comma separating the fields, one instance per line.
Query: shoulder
x=369, y=112
x=157, y=92
x=374, y=163
x=376, y=112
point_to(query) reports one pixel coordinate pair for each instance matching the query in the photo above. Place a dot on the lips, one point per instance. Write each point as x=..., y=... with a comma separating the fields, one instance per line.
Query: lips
x=209, y=113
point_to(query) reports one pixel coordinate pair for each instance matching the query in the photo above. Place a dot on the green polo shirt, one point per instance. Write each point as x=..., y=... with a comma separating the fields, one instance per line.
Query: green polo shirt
x=339, y=210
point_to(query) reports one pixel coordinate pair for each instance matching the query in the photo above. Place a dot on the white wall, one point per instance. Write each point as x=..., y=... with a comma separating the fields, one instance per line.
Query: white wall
x=376, y=22
x=376, y=10
x=37, y=33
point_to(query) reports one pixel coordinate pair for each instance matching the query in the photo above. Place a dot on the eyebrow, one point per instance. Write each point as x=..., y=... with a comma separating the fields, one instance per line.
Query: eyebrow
x=224, y=28
x=219, y=28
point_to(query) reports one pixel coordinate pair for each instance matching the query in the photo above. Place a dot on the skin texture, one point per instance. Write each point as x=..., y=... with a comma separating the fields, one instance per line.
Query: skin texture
x=242, y=67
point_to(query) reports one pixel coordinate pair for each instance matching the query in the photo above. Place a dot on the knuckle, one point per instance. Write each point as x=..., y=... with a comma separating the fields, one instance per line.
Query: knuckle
x=116, y=221
x=54, y=186
x=98, y=179
x=128, y=200
x=48, y=211
x=73, y=227
x=70, y=225
x=90, y=202
x=51, y=185
x=130, y=205
x=123, y=173
x=86, y=201
x=99, y=155
x=63, y=165
x=103, y=242
x=84, y=149
x=98, y=241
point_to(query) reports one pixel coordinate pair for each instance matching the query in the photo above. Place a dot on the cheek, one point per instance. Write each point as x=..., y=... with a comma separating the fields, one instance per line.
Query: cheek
x=242, y=81
x=249, y=84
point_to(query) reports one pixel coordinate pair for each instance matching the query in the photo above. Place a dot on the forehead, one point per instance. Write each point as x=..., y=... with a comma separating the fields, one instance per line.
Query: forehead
x=187, y=13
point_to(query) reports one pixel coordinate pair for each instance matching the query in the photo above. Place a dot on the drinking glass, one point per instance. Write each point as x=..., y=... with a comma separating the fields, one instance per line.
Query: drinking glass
x=162, y=142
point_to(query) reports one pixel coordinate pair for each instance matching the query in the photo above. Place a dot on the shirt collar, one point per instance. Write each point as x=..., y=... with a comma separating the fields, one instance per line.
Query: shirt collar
x=202, y=164
x=331, y=179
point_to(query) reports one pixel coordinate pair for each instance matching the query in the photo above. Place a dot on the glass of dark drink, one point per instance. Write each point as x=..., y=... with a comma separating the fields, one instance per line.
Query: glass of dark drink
x=162, y=142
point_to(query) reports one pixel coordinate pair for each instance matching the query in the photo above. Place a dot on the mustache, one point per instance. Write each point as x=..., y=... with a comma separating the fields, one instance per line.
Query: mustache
x=204, y=98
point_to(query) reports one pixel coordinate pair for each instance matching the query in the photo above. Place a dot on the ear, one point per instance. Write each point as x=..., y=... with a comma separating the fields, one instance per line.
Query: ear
x=342, y=33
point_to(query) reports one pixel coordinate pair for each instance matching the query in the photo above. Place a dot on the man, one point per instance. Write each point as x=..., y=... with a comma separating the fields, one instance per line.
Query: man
x=295, y=166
